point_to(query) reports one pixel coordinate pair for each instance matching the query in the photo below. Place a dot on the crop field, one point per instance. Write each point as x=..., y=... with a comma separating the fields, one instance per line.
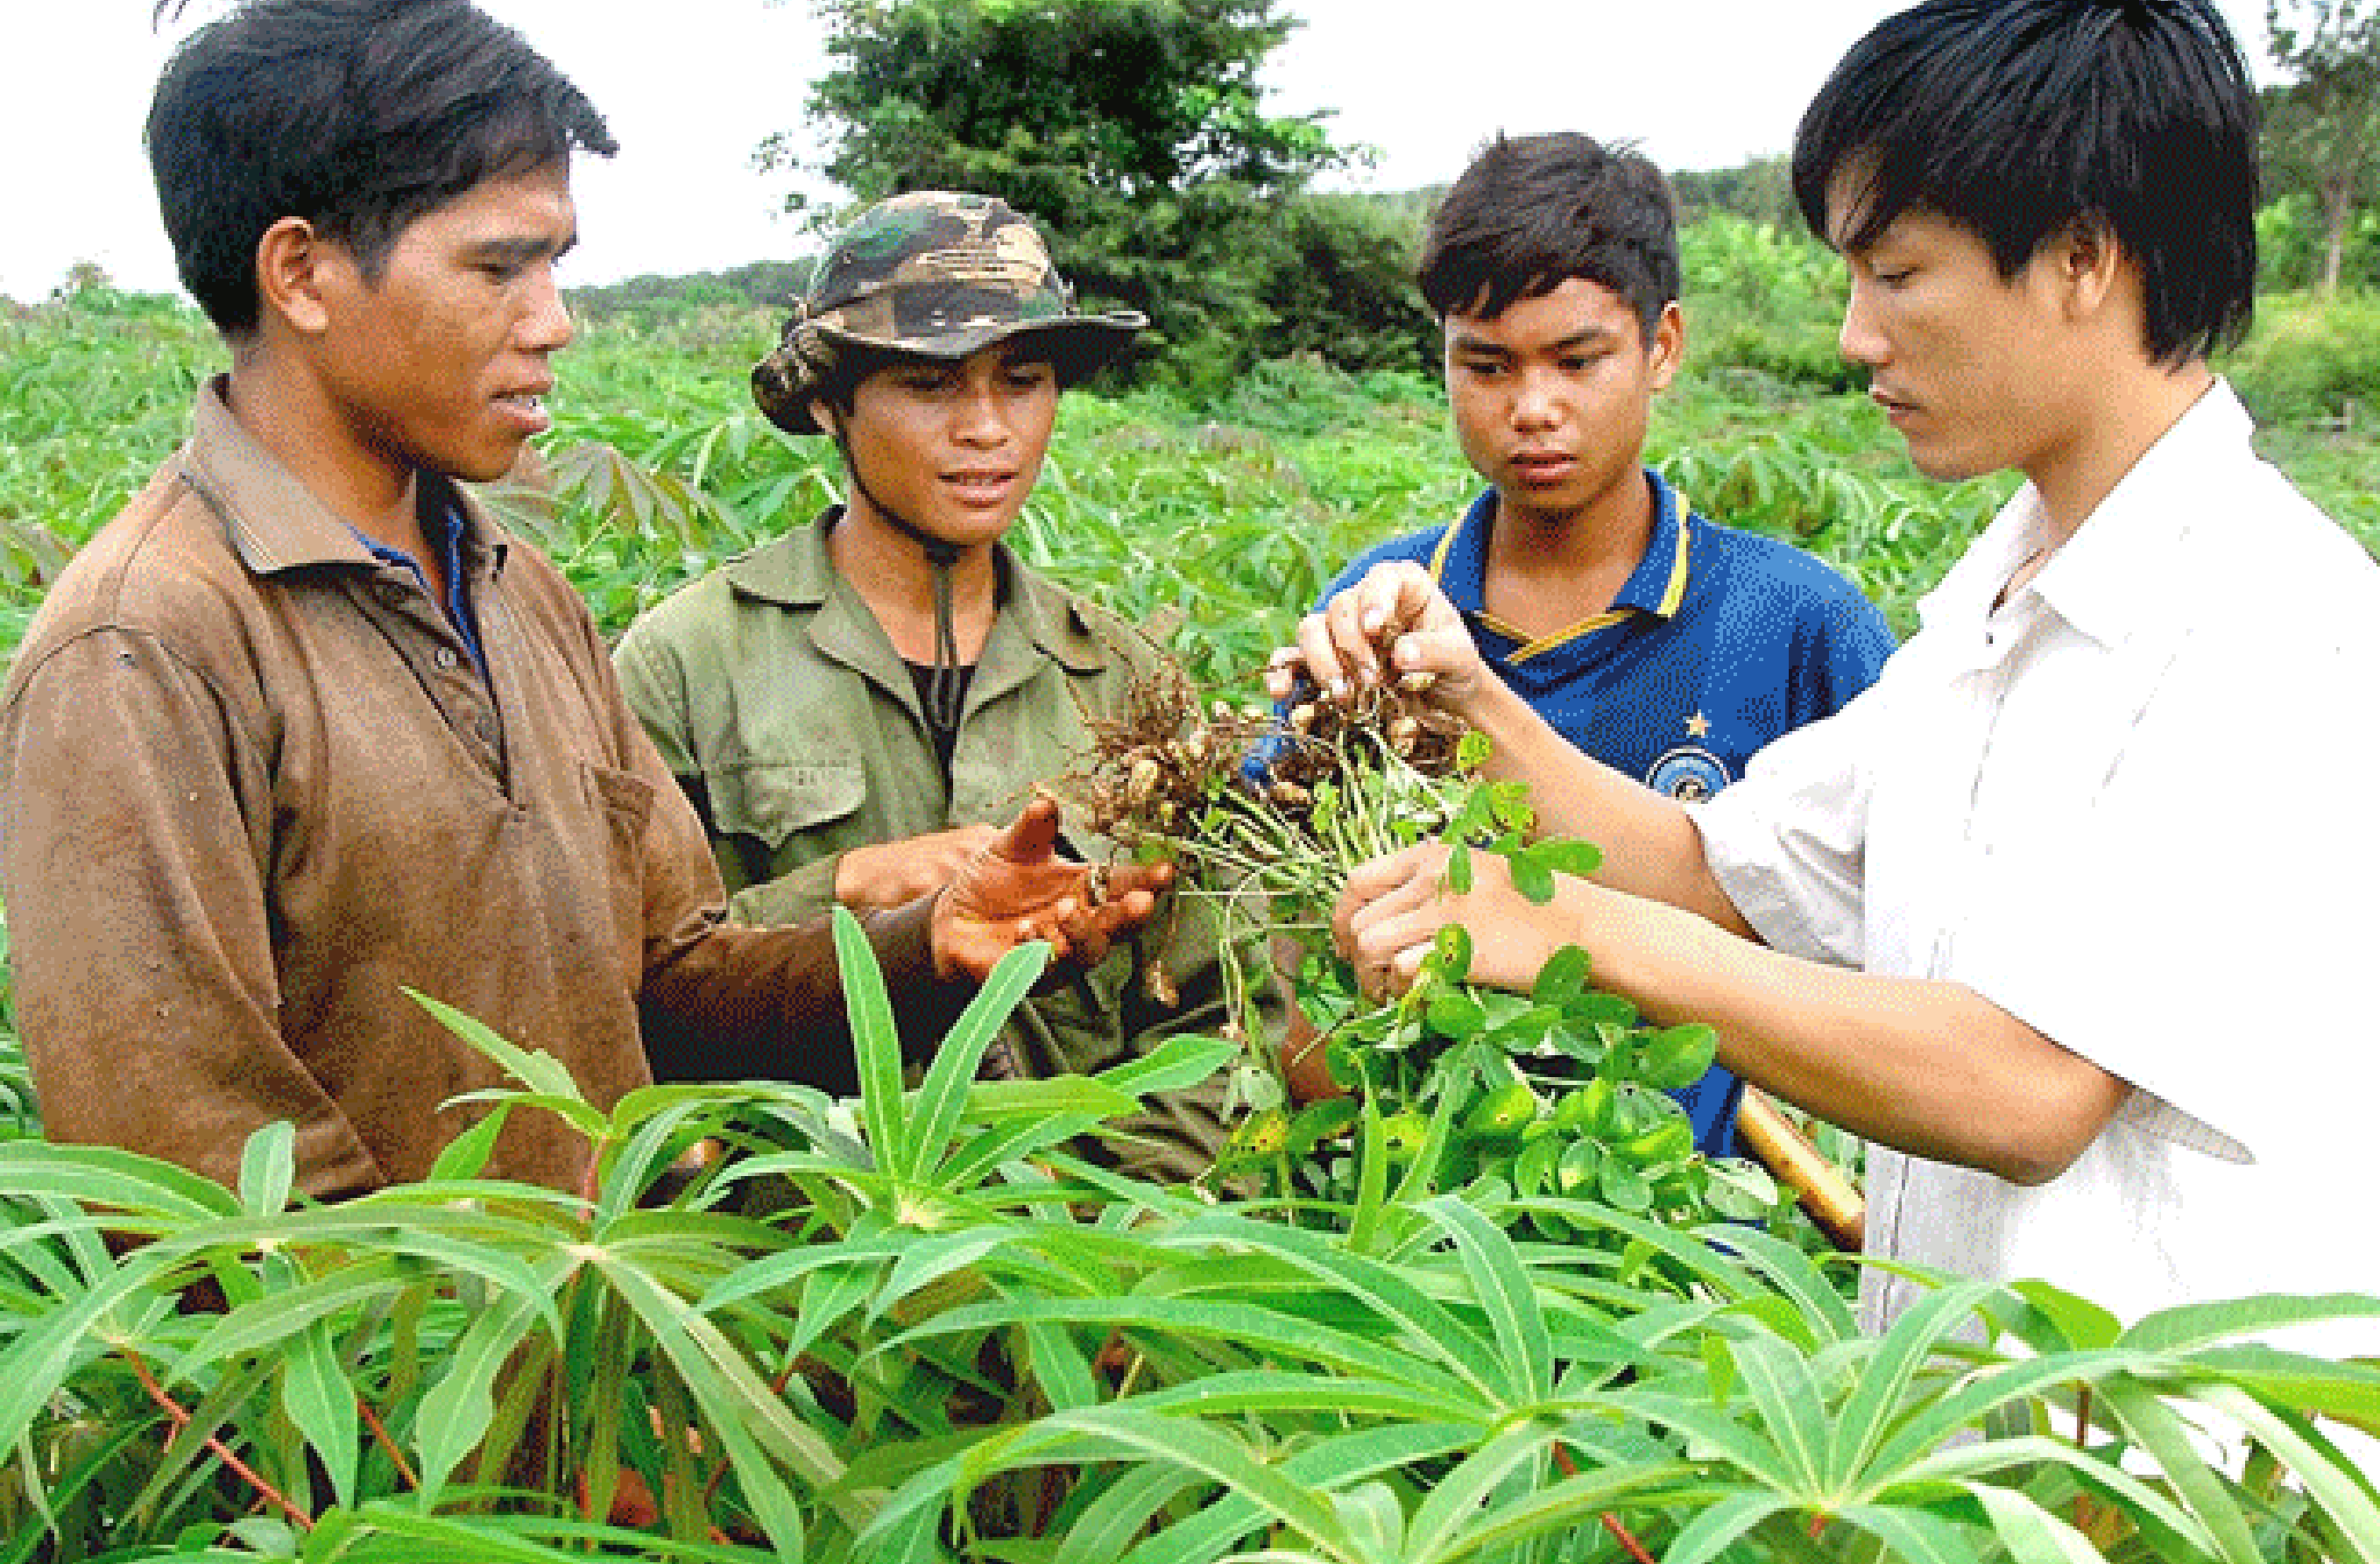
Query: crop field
x=922, y=1325
x=1216, y=521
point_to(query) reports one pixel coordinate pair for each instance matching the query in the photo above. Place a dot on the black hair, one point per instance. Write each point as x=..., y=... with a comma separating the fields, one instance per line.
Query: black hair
x=2018, y=119
x=1533, y=211
x=358, y=115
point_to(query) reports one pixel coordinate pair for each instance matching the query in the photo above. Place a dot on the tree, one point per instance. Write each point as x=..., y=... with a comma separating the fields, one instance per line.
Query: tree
x=1133, y=130
x=2322, y=132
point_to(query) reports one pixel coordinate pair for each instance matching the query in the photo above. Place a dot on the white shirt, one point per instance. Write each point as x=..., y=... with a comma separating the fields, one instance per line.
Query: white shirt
x=2127, y=806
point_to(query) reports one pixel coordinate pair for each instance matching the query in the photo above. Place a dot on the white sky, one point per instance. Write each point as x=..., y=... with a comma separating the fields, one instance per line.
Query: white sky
x=690, y=88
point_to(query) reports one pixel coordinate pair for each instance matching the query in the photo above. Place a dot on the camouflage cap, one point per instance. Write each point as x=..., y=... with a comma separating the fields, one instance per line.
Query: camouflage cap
x=933, y=274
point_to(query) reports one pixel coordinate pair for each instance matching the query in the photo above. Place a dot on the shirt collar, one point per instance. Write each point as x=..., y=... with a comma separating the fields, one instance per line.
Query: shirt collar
x=795, y=570
x=274, y=521
x=2115, y=576
x=1657, y=586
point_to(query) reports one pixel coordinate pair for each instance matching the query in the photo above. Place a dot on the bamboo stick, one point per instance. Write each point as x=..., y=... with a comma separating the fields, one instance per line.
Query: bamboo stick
x=1832, y=1201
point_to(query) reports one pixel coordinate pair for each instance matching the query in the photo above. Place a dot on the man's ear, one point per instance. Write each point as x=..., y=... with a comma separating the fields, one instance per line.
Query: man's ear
x=2090, y=263
x=292, y=265
x=1667, y=350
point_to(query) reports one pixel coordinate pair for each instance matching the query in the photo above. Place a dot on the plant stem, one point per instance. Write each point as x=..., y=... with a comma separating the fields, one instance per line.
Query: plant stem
x=221, y=1451
x=381, y=1435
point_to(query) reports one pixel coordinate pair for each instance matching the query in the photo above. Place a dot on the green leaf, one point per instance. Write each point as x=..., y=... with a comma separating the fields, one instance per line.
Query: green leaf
x=2079, y=1324
x=1738, y=1189
x=1123, y=1513
x=1915, y=1536
x=1677, y=1057
x=1504, y=1292
x=540, y=1071
x=1452, y=950
x=1715, y=1527
x=268, y=1166
x=1175, y=1065
x=874, y=1039
x=1531, y=877
x=1894, y=1360
x=943, y=1097
x=1459, y=874
x=2032, y=1535
x=321, y=1403
x=2329, y=1477
x=1319, y=1122
x=1371, y=1520
x=2161, y=1434
x=1779, y=1380
x=1622, y=1186
x=466, y=1157
x=1454, y=1014
x=1567, y=856
x=1562, y=979
x=456, y=1413
x=2193, y=1326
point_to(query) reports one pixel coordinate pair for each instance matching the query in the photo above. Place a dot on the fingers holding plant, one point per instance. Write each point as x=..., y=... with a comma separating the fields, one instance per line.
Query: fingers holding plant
x=1395, y=627
x=1388, y=919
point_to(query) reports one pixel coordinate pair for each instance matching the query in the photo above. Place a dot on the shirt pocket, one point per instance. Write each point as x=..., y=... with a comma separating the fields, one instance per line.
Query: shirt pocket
x=793, y=813
x=623, y=810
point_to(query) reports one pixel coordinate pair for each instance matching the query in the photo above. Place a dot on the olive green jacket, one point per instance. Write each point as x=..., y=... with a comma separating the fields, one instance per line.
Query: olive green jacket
x=780, y=703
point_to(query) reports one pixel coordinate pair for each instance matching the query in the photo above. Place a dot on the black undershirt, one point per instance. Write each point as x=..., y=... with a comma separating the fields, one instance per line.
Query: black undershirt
x=946, y=740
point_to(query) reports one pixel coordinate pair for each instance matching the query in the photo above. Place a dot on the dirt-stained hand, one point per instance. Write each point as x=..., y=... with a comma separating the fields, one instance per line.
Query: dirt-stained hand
x=1015, y=888
x=889, y=874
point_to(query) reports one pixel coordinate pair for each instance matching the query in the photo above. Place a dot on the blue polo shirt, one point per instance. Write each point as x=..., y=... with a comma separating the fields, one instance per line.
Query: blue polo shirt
x=1720, y=642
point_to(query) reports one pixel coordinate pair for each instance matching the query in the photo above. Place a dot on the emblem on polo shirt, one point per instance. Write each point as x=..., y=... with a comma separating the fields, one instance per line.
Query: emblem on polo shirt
x=1689, y=771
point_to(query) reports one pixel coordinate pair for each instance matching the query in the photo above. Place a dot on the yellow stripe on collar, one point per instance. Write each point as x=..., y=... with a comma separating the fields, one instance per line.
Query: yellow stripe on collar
x=1672, y=593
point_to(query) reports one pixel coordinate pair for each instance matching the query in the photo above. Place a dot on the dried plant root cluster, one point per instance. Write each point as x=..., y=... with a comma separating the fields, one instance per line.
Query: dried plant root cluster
x=1321, y=734
x=1153, y=771
x=1335, y=783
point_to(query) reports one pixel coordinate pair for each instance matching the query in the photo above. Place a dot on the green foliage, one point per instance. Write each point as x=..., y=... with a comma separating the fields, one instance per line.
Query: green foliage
x=2321, y=133
x=769, y=286
x=1343, y=291
x=1759, y=191
x=1765, y=296
x=953, y=1341
x=2311, y=359
x=1135, y=132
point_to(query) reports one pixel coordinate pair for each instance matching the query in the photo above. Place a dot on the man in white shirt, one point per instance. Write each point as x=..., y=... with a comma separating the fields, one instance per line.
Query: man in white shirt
x=2060, y=913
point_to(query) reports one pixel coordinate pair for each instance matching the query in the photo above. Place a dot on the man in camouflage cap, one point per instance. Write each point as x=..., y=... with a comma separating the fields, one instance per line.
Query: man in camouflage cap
x=854, y=705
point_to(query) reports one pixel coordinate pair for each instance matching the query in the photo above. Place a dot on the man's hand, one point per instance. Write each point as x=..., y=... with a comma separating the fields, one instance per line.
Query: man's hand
x=1015, y=888
x=1394, y=907
x=890, y=874
x=1397, y=606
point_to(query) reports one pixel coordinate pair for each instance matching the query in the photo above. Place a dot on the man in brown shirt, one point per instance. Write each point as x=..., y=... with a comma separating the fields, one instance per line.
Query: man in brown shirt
x=303, y=729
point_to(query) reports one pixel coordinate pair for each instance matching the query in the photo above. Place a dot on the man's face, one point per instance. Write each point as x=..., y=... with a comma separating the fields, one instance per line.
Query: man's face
x=953, y=448
x=1550, y=398
x=442, y=363
x=1972, y=368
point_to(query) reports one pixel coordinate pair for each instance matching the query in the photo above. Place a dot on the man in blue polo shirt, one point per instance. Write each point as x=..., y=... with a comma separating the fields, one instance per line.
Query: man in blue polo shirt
x=1665, y=646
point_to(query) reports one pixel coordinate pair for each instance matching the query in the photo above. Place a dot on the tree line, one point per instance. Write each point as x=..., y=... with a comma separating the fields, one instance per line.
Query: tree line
x=1135, y=132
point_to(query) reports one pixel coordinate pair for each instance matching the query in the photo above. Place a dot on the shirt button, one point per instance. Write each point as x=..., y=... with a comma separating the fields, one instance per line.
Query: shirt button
x=448, y=657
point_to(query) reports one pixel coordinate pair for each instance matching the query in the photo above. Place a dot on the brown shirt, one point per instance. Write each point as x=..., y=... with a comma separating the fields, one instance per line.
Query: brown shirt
x=253, y=789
